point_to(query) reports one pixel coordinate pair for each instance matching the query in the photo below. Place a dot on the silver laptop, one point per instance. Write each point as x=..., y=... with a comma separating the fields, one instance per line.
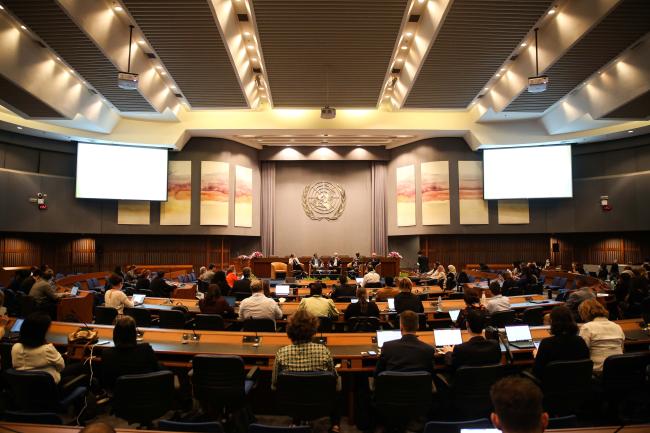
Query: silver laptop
x=282, y=290
x=454, y=315
x=519, y=337
x=391, y=304
x=384, y=336
x=447, y=337
x=138, y=299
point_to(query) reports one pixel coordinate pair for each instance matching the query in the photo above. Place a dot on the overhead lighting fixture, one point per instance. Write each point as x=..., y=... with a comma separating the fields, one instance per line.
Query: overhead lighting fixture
x=163, y=73
x=552, y=11
x=118, y=8
x=159, y=67
x=19, y=127
x=404, y=47
x=173, y=87
x=409, y=34
x=503, y=69
x=23, y=27
x=497, y=75
x=141, y=41
x=523, y=44
x=250, y=46
x=421, y=1
x=630, y=131
x=486, y=88
x=247, y=34
x=2, y=8
x=254, y=59
x=58, y=58
x=128, y=80
x=399, y=59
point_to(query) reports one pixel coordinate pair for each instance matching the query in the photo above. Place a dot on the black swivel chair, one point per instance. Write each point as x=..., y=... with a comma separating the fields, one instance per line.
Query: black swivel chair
x=258, y=325
x=627, y=387
x=470, y=390
x=502, y=318
x=456, y=426
x=207, y=427
x=209, y=322
x=401, y=396
x=325, y=324
x=105, y=315
x=142, y=398
x=566, y=386
x=141, y=316
x=363, y=324
x=306, y=396
x=34, y=391
x=172, y=319
x=533, y=316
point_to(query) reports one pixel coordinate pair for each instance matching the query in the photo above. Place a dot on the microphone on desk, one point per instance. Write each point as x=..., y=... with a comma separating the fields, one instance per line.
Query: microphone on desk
x=195, y=336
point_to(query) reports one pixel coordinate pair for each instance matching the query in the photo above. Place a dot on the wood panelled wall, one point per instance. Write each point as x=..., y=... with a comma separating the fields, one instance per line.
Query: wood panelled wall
x=591, y=248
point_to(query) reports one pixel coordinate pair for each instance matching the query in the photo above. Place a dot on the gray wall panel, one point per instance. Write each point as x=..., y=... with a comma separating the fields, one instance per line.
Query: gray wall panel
x=21, y=158
x=61, y=164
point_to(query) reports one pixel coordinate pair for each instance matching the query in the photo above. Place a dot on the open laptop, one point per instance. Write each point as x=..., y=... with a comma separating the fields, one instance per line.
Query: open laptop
x=384, y=336
x=282, y=290
x=138, y=299
x=447, y=337
x=454, y=315
x=14, y=333
x=391, y=304
x=354, y=300
x=359, y=280
x=519, y=337
x=231, y=300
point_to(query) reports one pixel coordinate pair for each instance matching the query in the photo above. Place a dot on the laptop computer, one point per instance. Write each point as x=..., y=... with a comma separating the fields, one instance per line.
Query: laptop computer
x=359, y=280
x=391, y=304
x=231, y=300
x=519, y=337
x=74, y=291
x=138, y=299
x=14, y=333
x=384, y=336
x=447, y=337
x=454, y=315
x=354, y=300
x=282, y=290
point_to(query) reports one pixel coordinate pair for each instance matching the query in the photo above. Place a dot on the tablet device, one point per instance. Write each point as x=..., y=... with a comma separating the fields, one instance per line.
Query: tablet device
x=282, y=290
x=74, y=291
x=17, y=325
x=447, y=337
x=454, y=315
x=384, y=336
x=231, y=300
x=138, y=299
x=391, y=304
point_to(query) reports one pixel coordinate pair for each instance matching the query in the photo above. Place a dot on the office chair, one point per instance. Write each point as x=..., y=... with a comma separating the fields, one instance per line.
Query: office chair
x=35, y=392
x=470, y=390
x=456, y=426
x=171, y=319
x=534, y=289
x=208, y=427
x=27, y=304
x=259, y=428
x=141, y=398
x=306, y=396
x=502, y=318
x=141, y=316
x=258, y=325
x=627, y=387
x=325, y=324
x=32, y=417
x=533, y=316
x=566, y=386
x=402, y=396
x=220, y=383
x=209, y=322
x=377, y=285
x=363, y=324
x=105, y=315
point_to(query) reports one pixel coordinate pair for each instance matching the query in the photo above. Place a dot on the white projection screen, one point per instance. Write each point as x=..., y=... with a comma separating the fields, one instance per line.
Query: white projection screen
x=527, y=172
x=121, y=172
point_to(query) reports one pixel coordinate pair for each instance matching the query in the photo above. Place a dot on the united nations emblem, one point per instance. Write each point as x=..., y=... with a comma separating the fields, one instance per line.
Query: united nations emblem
x=323, y=200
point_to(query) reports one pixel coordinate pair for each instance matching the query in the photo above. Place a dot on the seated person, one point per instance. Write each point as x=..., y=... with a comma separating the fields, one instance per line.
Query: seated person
x=603, y=337
x=581, y=293
x=219, y=279
x=243, y=285
x=28, y=282
x=472, y=302
x=214, y=303
x=317, y=305
x=295, y=266
x=406, y=300
x=335, y=262
x=438, y=273
x=231, y=276
x=160, y=287
x=355, y=266
x=497, y=302
x=371, y=277
x=518, y=406
x=131, y=274
x=388, y=291
x=208, y=275
x=127, y=357
x=315, y=262
x=408, y=353
x=374, y=261
x=564, y=344
x=343, y=288
x=143, y=282
x=33, y=352
x=115, y=297
x=44, y=295
x=508, y=283
x=303, y=355
x=363, y=307
x=258, y=306
x=477, y=350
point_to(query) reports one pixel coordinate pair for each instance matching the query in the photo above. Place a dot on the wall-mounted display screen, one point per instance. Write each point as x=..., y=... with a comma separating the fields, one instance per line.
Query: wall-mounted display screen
x=527, y=172
x=121, y=172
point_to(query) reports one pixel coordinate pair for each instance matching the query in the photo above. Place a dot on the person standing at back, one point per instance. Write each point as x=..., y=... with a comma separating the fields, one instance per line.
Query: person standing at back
x=423, y=263
x=518, y=406
x=407, y=300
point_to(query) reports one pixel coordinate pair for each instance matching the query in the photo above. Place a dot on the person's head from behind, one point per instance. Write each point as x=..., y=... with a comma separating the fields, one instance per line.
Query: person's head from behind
x=211, y=267
x=471, y=299
x=118, y=269
x=125, y=333
x=246, y=272
x=202, y=270
x=213, y=292
x=408, y=322
x=98, y=427
x=475, y=321
x=357, y=255
x=302, y=325
x=390, y=281
x=34, y=330
x=316, y=289
x=257, y=287
x=590, y=309
x=405, y=285
x=362, y=293
x=343, y=279
x=160, y=274
x=219, y=277
x=495, y=288
x=440, y=268
x=451, y=269
x=231, y=269
x=518, y=406
x=562, y=321
x=115, y=281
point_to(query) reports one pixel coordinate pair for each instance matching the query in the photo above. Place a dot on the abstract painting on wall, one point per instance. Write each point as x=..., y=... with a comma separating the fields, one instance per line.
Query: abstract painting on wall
x=177, y=210
x=435, y=193
x=243, y=196
x=405, y=196
x=473, y=209
x=133, y=212
x=215, y=190
x=514, y=212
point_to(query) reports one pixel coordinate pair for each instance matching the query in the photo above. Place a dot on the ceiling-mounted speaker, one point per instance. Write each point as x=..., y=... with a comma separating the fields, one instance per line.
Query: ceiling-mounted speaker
x=556, y=247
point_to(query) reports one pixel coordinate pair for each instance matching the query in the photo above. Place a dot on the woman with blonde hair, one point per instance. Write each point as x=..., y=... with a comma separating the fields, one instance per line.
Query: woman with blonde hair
x=603, y=337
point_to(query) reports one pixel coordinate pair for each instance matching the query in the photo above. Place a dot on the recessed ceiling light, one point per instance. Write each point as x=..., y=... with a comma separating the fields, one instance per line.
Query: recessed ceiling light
x=498, y=75
x=421, y=1
x=58, y=58
x=503, y=69
x=523, y=44
x=390, y=89
x=118, y=8
x=163, y=73
x=250, y=46
x=159, y=67
x=404, y=47
x=247, y=34
x=409, y=34
x=552, y=10
x=387, y=97
x=630, y=131
x=399, y=59
x=19, y=127
x=254, y=59
x=141, y=41
x=23, y=27
x=263, y=96
x=173, y=87
x=486, y=88
x=2, y=8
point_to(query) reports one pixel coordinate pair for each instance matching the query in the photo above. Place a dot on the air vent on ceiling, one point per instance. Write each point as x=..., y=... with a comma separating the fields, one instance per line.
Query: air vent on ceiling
x=414, y=18
x=242, y=18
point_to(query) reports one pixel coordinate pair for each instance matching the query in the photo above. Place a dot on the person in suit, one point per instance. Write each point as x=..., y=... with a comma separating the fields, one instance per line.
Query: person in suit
x=335, y=262
x=407, y=300
x=243, y=286
x=127, y=357
x=363, y=307
x=423, y=263
x=518, y=406
x=296, y=266
x=315, y=262
x=475, y=351
x=374, y=261
x=343, y=288
x=408, y=353
x=355, y=266
x=143, y=282
x=160, y=287
x=472, y=302
x=564, y=344
x=214, y=303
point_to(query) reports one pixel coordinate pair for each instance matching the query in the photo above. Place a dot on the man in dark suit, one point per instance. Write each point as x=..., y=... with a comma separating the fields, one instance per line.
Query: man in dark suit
x=423, y=263
x=407, y=353
x=477, y=350
x=406, y=300
x=160, y=287
x=242, y=288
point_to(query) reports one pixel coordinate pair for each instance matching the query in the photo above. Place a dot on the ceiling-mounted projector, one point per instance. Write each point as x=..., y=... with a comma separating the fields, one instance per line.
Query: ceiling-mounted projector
x=327, y=112
x=127, y=80
x=537, y=84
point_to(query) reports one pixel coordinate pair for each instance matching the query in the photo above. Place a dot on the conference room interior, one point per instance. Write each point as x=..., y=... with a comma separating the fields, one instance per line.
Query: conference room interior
x=304, y=216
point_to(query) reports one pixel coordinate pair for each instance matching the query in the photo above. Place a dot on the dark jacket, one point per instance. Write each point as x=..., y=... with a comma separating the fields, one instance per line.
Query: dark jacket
x=160, y=288
x=117, y=362
x=343, y=290
x=143, y=283
x=241, y=286
x=216, y=306
x=423, y=264
x=354, y=310
x=406, y=354
x=474, y=352
x=408, y=301
x=559, y=348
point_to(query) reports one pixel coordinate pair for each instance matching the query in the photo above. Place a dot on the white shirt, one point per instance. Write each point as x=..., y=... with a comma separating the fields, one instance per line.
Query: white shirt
x=370, y=277
x=258, y=306
x=498, y=303
x=43, y=358
x=604, y=338
x=117, y=299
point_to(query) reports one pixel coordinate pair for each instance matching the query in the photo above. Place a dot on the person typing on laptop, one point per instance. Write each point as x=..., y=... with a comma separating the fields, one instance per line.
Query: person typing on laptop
x=115, y=297
x=475, y=351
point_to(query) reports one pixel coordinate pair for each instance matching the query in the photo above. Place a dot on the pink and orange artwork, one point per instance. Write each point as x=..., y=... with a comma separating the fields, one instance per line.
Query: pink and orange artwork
x=405, y=189
x=243, y=196
x=434, y=186
x=177, y=210
x=215, y=193
x=473, y=209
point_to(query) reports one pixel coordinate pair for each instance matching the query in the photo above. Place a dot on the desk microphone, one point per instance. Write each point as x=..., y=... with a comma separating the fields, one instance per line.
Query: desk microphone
x=76, y=317
x=257, y=340
x=195, y=336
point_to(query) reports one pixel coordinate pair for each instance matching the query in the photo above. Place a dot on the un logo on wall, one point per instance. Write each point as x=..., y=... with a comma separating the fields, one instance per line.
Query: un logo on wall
x=323, y=200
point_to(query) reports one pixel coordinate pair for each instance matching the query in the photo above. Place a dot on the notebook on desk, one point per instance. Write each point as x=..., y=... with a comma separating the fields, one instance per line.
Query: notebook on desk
x=519, y=337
